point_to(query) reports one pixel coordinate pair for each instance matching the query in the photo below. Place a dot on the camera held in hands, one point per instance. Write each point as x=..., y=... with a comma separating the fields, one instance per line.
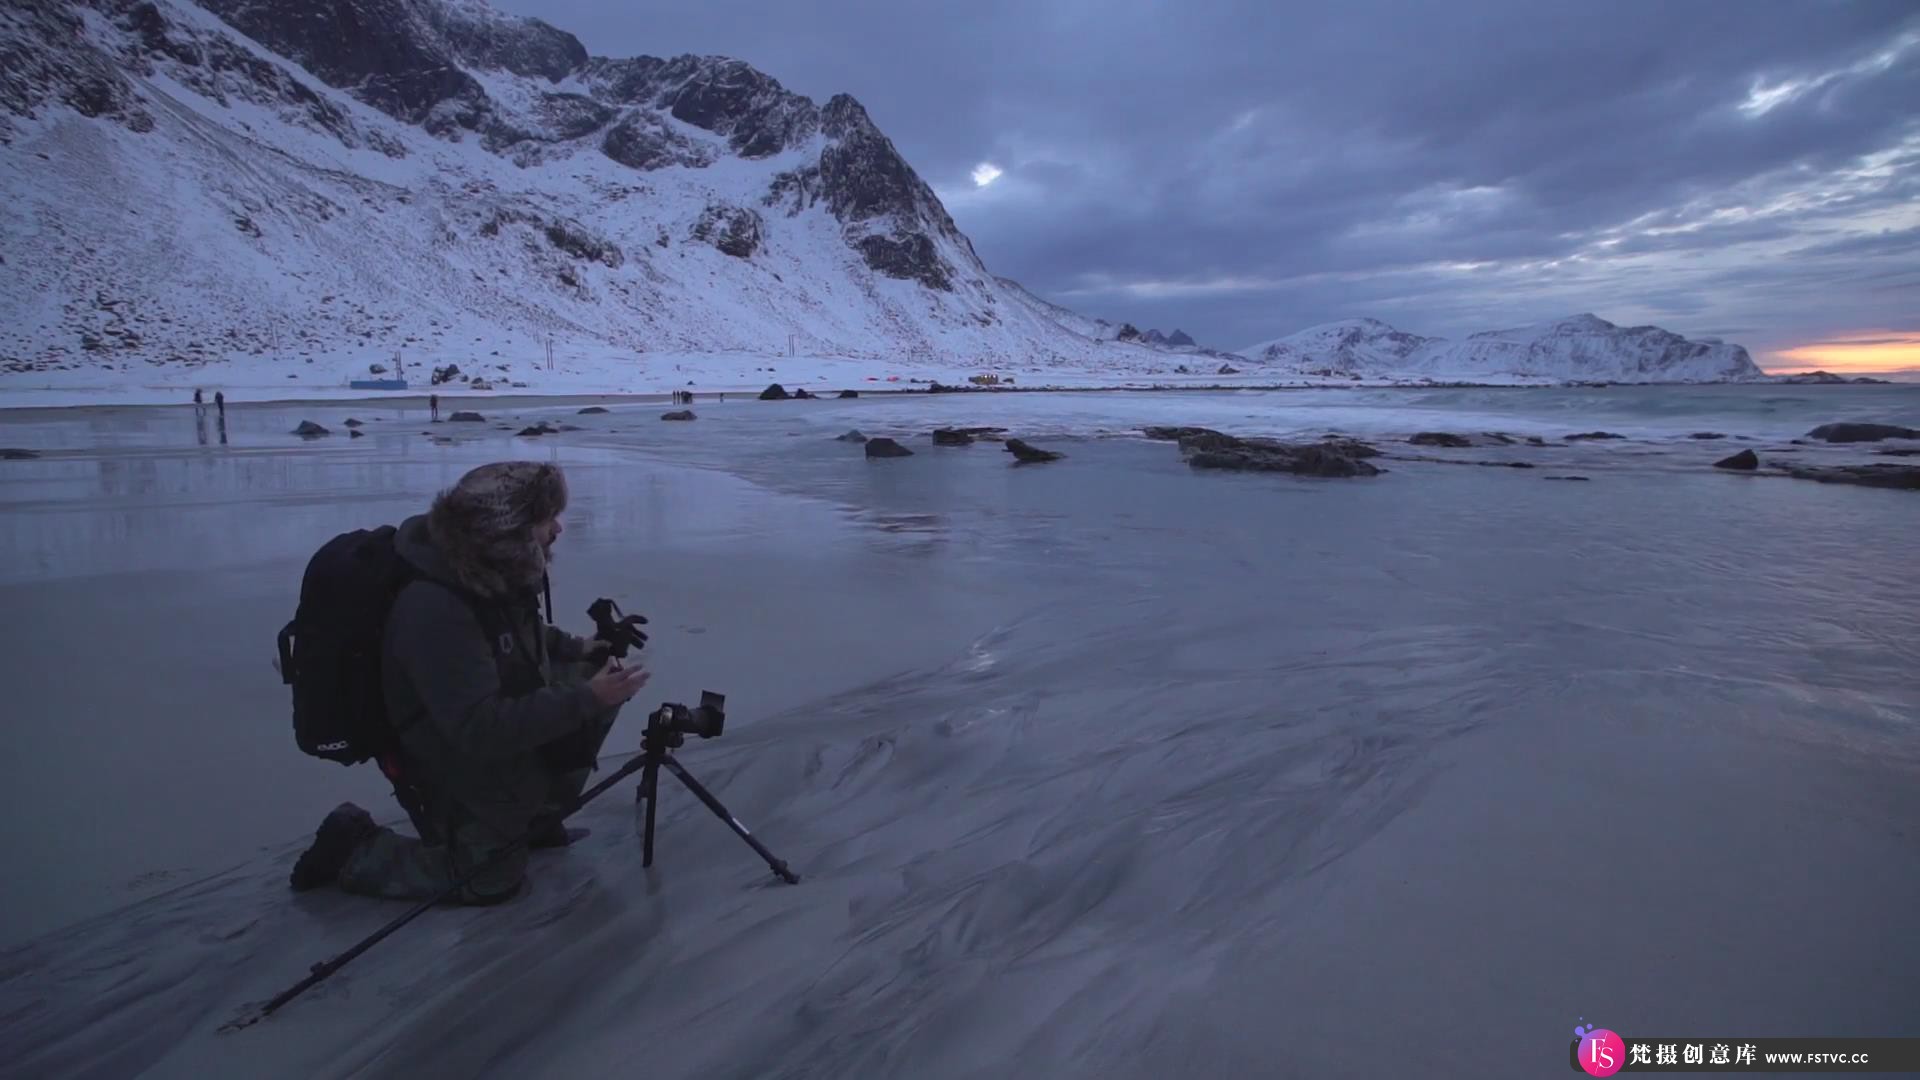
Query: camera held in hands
x=619, y=630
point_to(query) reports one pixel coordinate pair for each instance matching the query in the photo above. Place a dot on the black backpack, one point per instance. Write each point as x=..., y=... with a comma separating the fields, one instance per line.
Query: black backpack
x=330, y=653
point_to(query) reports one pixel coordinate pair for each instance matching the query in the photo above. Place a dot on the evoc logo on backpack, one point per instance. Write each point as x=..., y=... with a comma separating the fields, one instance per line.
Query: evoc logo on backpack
x=506, y=644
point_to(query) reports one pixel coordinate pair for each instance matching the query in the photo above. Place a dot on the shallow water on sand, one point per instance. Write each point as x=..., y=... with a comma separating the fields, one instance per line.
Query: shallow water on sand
x=1101, y=767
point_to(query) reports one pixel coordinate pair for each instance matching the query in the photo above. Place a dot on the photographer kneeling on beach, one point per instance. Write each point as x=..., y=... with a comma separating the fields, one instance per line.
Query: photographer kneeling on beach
x=498, y=716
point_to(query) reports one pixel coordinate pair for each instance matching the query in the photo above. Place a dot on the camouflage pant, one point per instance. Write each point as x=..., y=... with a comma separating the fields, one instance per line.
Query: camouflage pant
x=401, y=867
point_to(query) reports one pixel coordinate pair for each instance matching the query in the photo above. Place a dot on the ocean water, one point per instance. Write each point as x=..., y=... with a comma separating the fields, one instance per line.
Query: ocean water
x=1099, y=767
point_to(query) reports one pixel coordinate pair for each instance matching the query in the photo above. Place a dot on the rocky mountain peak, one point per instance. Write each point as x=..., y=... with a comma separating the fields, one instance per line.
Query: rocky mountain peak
x=572, y=195
x=486, y=38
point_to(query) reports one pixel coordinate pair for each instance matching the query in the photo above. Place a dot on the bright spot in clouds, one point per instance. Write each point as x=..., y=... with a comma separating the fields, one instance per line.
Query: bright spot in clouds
x=985, y=173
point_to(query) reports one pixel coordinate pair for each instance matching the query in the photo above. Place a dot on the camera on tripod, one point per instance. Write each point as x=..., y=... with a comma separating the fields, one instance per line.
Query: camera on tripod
x=667, y=727
x=672, y=721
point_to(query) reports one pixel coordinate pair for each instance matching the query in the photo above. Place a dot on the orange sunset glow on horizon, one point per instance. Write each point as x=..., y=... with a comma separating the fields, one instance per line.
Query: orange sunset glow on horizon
x=1862, y=352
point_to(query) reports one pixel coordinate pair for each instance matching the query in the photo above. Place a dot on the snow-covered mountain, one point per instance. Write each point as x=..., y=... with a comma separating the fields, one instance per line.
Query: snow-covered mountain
x=1582, y=347
x=1348, y=347
x=330, y=181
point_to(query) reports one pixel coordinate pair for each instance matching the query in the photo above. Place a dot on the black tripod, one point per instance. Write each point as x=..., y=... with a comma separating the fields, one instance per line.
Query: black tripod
x=666, y=729
x=662, y=735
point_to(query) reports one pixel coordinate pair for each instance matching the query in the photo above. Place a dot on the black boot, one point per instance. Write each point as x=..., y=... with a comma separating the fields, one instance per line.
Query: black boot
x=553, y=833
x=333, y=842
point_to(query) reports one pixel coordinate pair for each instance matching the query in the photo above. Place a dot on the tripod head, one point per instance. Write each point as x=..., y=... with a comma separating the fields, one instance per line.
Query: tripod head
x=670, y=724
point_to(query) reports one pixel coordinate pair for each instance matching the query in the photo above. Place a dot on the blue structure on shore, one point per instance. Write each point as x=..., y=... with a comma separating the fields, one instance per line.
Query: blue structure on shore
x=377, y=384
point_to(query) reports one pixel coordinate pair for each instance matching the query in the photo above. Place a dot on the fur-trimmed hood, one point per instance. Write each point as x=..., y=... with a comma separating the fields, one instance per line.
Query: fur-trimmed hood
x=481, y=529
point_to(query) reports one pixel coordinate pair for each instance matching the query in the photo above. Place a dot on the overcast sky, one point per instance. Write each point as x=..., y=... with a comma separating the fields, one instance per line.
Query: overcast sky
x=1749, y=170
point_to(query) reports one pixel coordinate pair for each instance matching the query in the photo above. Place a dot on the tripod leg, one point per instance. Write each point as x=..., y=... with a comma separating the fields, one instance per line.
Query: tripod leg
x=713, y=804
x=650, y=793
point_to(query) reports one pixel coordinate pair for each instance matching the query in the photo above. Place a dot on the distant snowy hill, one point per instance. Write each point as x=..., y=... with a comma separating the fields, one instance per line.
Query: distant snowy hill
x=328, y=181
x=1583, y=347
x=1348, y=347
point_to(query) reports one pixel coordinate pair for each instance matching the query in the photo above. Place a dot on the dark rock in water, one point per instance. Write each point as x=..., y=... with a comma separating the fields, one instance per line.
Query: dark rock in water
x=309, y=429
x=1506, y=464
x=802, y=394
x=1212, y=450
x=1503, y=440
x=1582, y=478
x=1594, y=435
x=1351, y=447
x=538, y=429
x=591, y=410
x=776, y=392
x=1746, y=460
x=1215, y=441
x=886, y=448
x=1307, y=460
x=678, y=414
x=1028, y=455
x=351, y=422
x=950, y=437
x=14, y=453
x=851, y=436
x=1706, y=435
x=570, y=427
x=1862, y=432
x=357, y=433
x=1440, y=438
x=1898, y=453
x=848, y=394
x=1906, y=477
x=466, y=418
x=1535, y=440
x=1173, y=434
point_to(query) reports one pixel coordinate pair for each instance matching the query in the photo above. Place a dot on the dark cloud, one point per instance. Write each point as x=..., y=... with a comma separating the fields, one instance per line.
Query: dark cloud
x=1244, y=169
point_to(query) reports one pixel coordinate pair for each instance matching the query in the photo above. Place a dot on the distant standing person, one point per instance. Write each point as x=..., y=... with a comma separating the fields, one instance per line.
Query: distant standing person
x=220, y=403
x=198, y=399
x=433, y=407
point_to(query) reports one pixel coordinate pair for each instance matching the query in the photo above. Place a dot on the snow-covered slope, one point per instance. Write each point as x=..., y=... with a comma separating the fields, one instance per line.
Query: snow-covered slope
x=327, y=182
x=1583, y=347
x=1350, y=346
x=1589, y=347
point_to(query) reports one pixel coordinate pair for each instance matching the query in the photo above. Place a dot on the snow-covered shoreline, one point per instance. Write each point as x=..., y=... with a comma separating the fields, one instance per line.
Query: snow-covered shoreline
x=595, y=378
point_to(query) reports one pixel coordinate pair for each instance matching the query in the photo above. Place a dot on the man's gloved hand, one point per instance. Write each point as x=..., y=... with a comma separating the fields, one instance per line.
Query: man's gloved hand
x=597, y=653
x=615, y=684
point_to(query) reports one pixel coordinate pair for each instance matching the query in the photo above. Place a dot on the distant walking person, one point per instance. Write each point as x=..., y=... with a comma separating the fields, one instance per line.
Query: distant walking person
x=198, y=399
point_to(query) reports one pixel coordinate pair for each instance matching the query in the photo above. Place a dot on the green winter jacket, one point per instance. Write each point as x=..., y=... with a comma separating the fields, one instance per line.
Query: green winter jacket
x=476, y=687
